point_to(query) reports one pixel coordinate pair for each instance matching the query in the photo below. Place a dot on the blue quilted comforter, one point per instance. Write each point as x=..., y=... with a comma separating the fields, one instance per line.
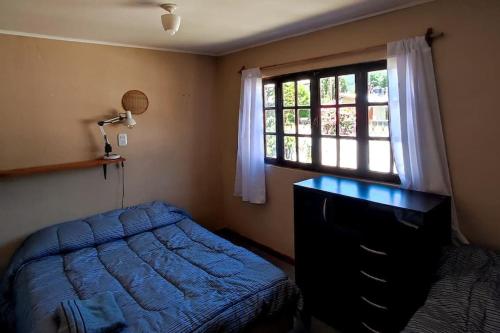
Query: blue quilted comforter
x=167, y=273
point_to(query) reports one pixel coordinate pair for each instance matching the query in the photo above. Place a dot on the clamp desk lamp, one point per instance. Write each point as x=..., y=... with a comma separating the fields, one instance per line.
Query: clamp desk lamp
x=125, y=117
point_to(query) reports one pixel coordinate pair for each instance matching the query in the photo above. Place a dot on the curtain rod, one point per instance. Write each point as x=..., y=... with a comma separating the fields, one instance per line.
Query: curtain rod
x=430, y=36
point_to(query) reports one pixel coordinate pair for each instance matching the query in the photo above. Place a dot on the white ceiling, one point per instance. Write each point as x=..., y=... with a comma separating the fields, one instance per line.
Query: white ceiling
x=208, y=27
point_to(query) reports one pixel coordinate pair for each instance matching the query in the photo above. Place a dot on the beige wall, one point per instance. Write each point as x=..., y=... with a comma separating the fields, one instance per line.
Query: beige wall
x=53, y=92
x=466, y=62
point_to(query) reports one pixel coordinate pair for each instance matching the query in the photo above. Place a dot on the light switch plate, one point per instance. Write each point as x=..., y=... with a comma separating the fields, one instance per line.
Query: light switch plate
x=122, y=139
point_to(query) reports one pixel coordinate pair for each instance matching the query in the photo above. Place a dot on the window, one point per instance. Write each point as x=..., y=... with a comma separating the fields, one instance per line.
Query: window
x=333, y=120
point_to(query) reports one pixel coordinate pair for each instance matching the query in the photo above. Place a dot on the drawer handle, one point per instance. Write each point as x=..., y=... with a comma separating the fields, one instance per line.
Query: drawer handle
x=372, y=277
x=409, y=225
x=324, y=209
x=369, y=328
x=367, y=249
x=378, y=306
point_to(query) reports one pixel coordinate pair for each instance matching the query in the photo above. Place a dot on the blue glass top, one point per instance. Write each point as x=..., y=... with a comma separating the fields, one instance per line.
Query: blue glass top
x=374, y=192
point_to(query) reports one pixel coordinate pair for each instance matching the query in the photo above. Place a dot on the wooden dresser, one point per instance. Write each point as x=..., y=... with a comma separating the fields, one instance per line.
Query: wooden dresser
x=365, y=253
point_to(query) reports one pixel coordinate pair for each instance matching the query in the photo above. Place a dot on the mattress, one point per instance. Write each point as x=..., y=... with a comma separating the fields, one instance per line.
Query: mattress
x=466, y=295
x=167, y=273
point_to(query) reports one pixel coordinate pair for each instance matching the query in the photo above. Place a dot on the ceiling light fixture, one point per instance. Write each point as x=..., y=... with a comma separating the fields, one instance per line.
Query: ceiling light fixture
x=170, y=21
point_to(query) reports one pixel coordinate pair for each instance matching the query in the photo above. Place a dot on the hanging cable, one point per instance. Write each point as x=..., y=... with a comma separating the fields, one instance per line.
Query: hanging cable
x=123, y=183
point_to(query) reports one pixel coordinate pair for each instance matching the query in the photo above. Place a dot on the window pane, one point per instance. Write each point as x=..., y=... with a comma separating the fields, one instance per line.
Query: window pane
x=378, y=121
x=289, y=94
x=271, y=146
x=329, y=151
x=270, y=120
x=289, y=121
x=327, y=90
x=305, y=150
x=347, y=89
x=328, y=120
x=304, y=121
x=290, y=148
x=304, y=92
x=380, y=156
x=338, y=138
x=269, y=96
x=347, y=124
x=377, y=86
x=348, y=154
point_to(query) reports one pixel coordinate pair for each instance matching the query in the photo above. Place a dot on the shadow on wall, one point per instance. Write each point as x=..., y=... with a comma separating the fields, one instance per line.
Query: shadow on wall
x=6, y=251
x=95, y=140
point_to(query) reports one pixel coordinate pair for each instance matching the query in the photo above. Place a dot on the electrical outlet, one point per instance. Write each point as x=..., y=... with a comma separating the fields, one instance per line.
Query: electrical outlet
x=122, y=139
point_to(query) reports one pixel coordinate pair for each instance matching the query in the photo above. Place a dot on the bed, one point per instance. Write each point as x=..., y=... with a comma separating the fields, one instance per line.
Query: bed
x=167, y=274
x=466, y=295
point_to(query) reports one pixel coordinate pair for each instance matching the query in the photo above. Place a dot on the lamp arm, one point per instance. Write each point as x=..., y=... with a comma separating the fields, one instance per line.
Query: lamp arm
x=112, y=120
x=107, y=146
x=101, y=128
x=121, y=117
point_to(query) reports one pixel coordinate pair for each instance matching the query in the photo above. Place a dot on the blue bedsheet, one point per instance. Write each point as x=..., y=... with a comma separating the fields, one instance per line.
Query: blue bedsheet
x=167, y=273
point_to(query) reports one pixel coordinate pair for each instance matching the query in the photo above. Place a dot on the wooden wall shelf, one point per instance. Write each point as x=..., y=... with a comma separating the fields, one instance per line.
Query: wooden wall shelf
x=60, y=167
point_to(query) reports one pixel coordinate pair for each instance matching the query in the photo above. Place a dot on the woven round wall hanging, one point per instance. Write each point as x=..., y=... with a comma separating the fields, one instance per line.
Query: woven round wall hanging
x=135, y=101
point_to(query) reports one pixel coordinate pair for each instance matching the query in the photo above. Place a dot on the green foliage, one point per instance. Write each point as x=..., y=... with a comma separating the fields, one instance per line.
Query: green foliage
x=270, y=145
x=290, y=148
x=304, y=113
x=269, y=95
x=347, y=84
x=289, y=94
x=304, y=92
x=328, y=121
x=289, y=121
x=270, y=121
x=377, y=79
x=327, y=90
x=304, y=121
x=342, y=85
x=347, y=124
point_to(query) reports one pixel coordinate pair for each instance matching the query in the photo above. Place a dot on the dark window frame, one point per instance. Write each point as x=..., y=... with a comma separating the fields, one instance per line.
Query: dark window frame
x=362, y=137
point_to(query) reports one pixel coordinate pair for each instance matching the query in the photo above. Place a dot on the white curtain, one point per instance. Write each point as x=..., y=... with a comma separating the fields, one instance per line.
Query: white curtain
x=250, y=182
x=416, y=133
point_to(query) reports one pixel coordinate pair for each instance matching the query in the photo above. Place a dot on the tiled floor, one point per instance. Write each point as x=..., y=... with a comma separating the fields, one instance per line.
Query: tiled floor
x=317, y=326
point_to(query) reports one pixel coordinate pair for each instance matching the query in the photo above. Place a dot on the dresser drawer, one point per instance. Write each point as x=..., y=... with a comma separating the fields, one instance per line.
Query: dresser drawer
x=365, y=327
x=375, y=261
x=374, y=288
x=376, y=317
